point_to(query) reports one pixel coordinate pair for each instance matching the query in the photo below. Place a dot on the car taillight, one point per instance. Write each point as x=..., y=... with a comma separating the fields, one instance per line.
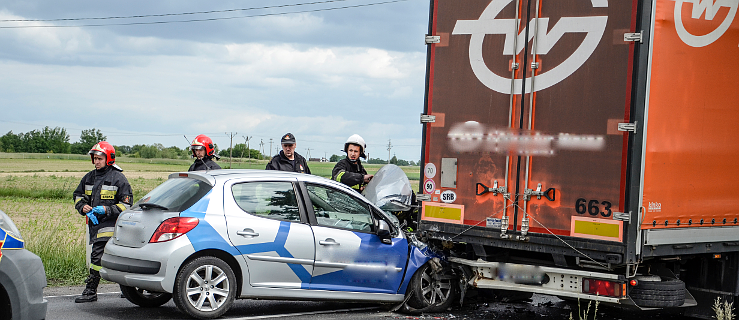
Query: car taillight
x=602, y=287
x=173, y=228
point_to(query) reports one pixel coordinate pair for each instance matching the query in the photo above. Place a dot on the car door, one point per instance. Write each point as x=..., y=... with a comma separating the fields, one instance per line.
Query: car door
x=268, y=227
x=349, y=254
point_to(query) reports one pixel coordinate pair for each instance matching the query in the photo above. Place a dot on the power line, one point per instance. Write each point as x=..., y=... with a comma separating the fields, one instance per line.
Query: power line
x=171, y=14
x=202, y=20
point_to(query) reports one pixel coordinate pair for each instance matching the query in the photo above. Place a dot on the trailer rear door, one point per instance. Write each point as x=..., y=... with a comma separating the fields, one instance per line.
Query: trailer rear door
x=529, y=106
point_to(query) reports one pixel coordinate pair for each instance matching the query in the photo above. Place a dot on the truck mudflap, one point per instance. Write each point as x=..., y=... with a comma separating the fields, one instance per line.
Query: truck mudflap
x=566, y=283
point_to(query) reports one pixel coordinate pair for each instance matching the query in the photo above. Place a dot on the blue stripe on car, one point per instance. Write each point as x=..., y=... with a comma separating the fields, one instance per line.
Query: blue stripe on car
x=278, y=246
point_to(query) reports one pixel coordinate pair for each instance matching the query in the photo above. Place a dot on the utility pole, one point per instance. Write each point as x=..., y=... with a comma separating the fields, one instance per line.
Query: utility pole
x=309, y=149
x=231, y=149
x=261, y=146
x=246, y=142
x=270, y=148
x=389, y=146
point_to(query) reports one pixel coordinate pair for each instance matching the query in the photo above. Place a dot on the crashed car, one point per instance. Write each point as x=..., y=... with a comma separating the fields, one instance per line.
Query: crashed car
x=22, y=276
x=206, y=238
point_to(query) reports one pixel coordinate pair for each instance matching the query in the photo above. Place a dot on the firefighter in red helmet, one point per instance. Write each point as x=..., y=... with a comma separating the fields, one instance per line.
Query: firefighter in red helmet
x=102, y=195
x=203, y=151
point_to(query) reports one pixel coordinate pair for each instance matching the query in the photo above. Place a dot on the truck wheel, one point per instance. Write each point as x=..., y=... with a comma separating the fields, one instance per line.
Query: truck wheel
x=433, y=291
x=145, y=298
x=660, y=294
x=205, y=288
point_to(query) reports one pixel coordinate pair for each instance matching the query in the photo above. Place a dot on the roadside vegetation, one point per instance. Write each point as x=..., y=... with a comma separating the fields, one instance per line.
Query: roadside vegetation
x=723, y=311
x=36, y=192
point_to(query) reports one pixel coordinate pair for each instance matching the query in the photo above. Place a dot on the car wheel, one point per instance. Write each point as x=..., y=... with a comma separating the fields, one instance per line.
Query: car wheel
x=660, y=294
x=145, y=298
x=205, y=288
x=433, y=290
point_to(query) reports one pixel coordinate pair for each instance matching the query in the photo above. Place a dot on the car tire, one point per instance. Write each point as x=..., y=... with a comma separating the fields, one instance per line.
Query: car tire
x=433, y=291
x=144, y=298
x=205, y=288
x=659, y=294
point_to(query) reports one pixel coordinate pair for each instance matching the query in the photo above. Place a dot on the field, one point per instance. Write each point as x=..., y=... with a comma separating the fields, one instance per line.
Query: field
x=36, y=192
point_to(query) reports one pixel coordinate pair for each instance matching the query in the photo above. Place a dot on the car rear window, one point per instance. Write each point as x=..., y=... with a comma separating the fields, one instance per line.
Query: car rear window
x=176, y=194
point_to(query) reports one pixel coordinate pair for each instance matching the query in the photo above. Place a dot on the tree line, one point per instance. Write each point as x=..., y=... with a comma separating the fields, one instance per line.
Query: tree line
x=56, y=140
x=394, y=160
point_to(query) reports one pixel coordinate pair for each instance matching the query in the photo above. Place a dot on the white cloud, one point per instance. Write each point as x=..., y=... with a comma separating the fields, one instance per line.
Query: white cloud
x=146, y=82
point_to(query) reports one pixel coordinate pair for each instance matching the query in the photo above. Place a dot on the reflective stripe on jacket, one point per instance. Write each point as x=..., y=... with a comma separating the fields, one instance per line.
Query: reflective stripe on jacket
x=348, y=173
x=106, y=187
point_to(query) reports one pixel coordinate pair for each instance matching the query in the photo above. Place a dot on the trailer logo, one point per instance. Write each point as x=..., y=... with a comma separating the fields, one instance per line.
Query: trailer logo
x=655, y=207
x=710, y=8
x=593, y=26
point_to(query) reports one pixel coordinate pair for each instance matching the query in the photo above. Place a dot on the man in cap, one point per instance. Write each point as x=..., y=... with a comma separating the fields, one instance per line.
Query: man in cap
x=349, y=170
x=102, y=195
x=288, y=159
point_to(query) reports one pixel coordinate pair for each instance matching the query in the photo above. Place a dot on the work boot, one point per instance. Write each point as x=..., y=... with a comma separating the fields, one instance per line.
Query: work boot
x=90, y=293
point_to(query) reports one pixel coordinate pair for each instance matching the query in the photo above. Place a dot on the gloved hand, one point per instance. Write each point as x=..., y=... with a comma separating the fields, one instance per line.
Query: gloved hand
x=92, y=217
x=99, y=211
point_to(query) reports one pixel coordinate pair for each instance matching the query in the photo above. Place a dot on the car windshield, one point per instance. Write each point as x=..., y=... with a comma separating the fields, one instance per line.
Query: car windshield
x=174, y=195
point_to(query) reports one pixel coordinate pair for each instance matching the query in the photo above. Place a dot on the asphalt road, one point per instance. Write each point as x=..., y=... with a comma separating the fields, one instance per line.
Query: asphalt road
x=110, y=305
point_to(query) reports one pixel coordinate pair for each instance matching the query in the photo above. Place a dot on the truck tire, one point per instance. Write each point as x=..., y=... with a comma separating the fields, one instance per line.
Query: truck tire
x=659, y=294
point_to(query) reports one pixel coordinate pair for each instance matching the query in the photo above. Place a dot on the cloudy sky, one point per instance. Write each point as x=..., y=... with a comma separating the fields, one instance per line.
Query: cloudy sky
x=322, y=72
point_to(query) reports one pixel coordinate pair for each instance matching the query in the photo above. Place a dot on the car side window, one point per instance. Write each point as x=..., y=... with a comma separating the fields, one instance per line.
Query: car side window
x=273, y=200
x=334, y=208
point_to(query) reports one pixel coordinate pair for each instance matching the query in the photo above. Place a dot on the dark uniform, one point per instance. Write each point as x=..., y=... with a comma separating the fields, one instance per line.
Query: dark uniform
x=106, y=187
x=206, y=163
x=349, y=173
x=282, y=163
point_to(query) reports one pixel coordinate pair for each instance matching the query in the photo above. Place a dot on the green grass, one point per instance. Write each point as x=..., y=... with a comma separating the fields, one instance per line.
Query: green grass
x=37, y=162
x=55, y=232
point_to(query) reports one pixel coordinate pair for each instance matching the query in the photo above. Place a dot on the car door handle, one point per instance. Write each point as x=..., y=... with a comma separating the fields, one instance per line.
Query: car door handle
x=328, y=242
x=247, y=233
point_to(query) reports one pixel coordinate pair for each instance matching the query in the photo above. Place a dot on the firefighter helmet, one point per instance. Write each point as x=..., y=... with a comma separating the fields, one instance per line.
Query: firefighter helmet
x=355, y=139
x=103, y=148
x=202, y=142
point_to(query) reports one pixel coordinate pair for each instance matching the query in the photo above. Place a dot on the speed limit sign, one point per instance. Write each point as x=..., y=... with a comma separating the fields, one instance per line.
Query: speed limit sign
x=429, y=186
x=429, y=170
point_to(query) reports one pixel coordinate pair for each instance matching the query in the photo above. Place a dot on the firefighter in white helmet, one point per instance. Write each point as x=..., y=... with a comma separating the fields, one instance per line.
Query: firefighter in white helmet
x=349, y=170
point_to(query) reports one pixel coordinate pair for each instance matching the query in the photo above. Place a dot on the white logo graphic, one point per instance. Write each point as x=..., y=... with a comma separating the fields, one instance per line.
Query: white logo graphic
x=655, y=207
x=710, y=8
x=593, y=26
x=448, y=196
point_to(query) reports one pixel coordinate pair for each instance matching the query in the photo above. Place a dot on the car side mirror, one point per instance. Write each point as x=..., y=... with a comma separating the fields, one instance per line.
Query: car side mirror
x=383, y=231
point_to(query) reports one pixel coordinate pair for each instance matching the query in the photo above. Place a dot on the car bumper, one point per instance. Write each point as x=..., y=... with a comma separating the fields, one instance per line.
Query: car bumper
x=152, y=267
x=23, y=277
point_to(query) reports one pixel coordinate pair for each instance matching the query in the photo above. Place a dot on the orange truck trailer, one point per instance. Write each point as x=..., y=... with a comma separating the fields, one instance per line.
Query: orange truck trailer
x=585, y=149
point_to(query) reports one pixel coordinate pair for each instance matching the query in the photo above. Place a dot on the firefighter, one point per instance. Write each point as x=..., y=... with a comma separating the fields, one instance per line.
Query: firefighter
x=288, y=159
x=349, y=170
x=203, y=151
x=102, y=195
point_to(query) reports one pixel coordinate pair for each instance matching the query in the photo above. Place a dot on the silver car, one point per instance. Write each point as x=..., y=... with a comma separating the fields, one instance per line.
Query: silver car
x=207, y=238
x=22, y=276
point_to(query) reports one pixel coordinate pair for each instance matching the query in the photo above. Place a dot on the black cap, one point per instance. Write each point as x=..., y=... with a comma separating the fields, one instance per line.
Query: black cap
x=288, y=138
